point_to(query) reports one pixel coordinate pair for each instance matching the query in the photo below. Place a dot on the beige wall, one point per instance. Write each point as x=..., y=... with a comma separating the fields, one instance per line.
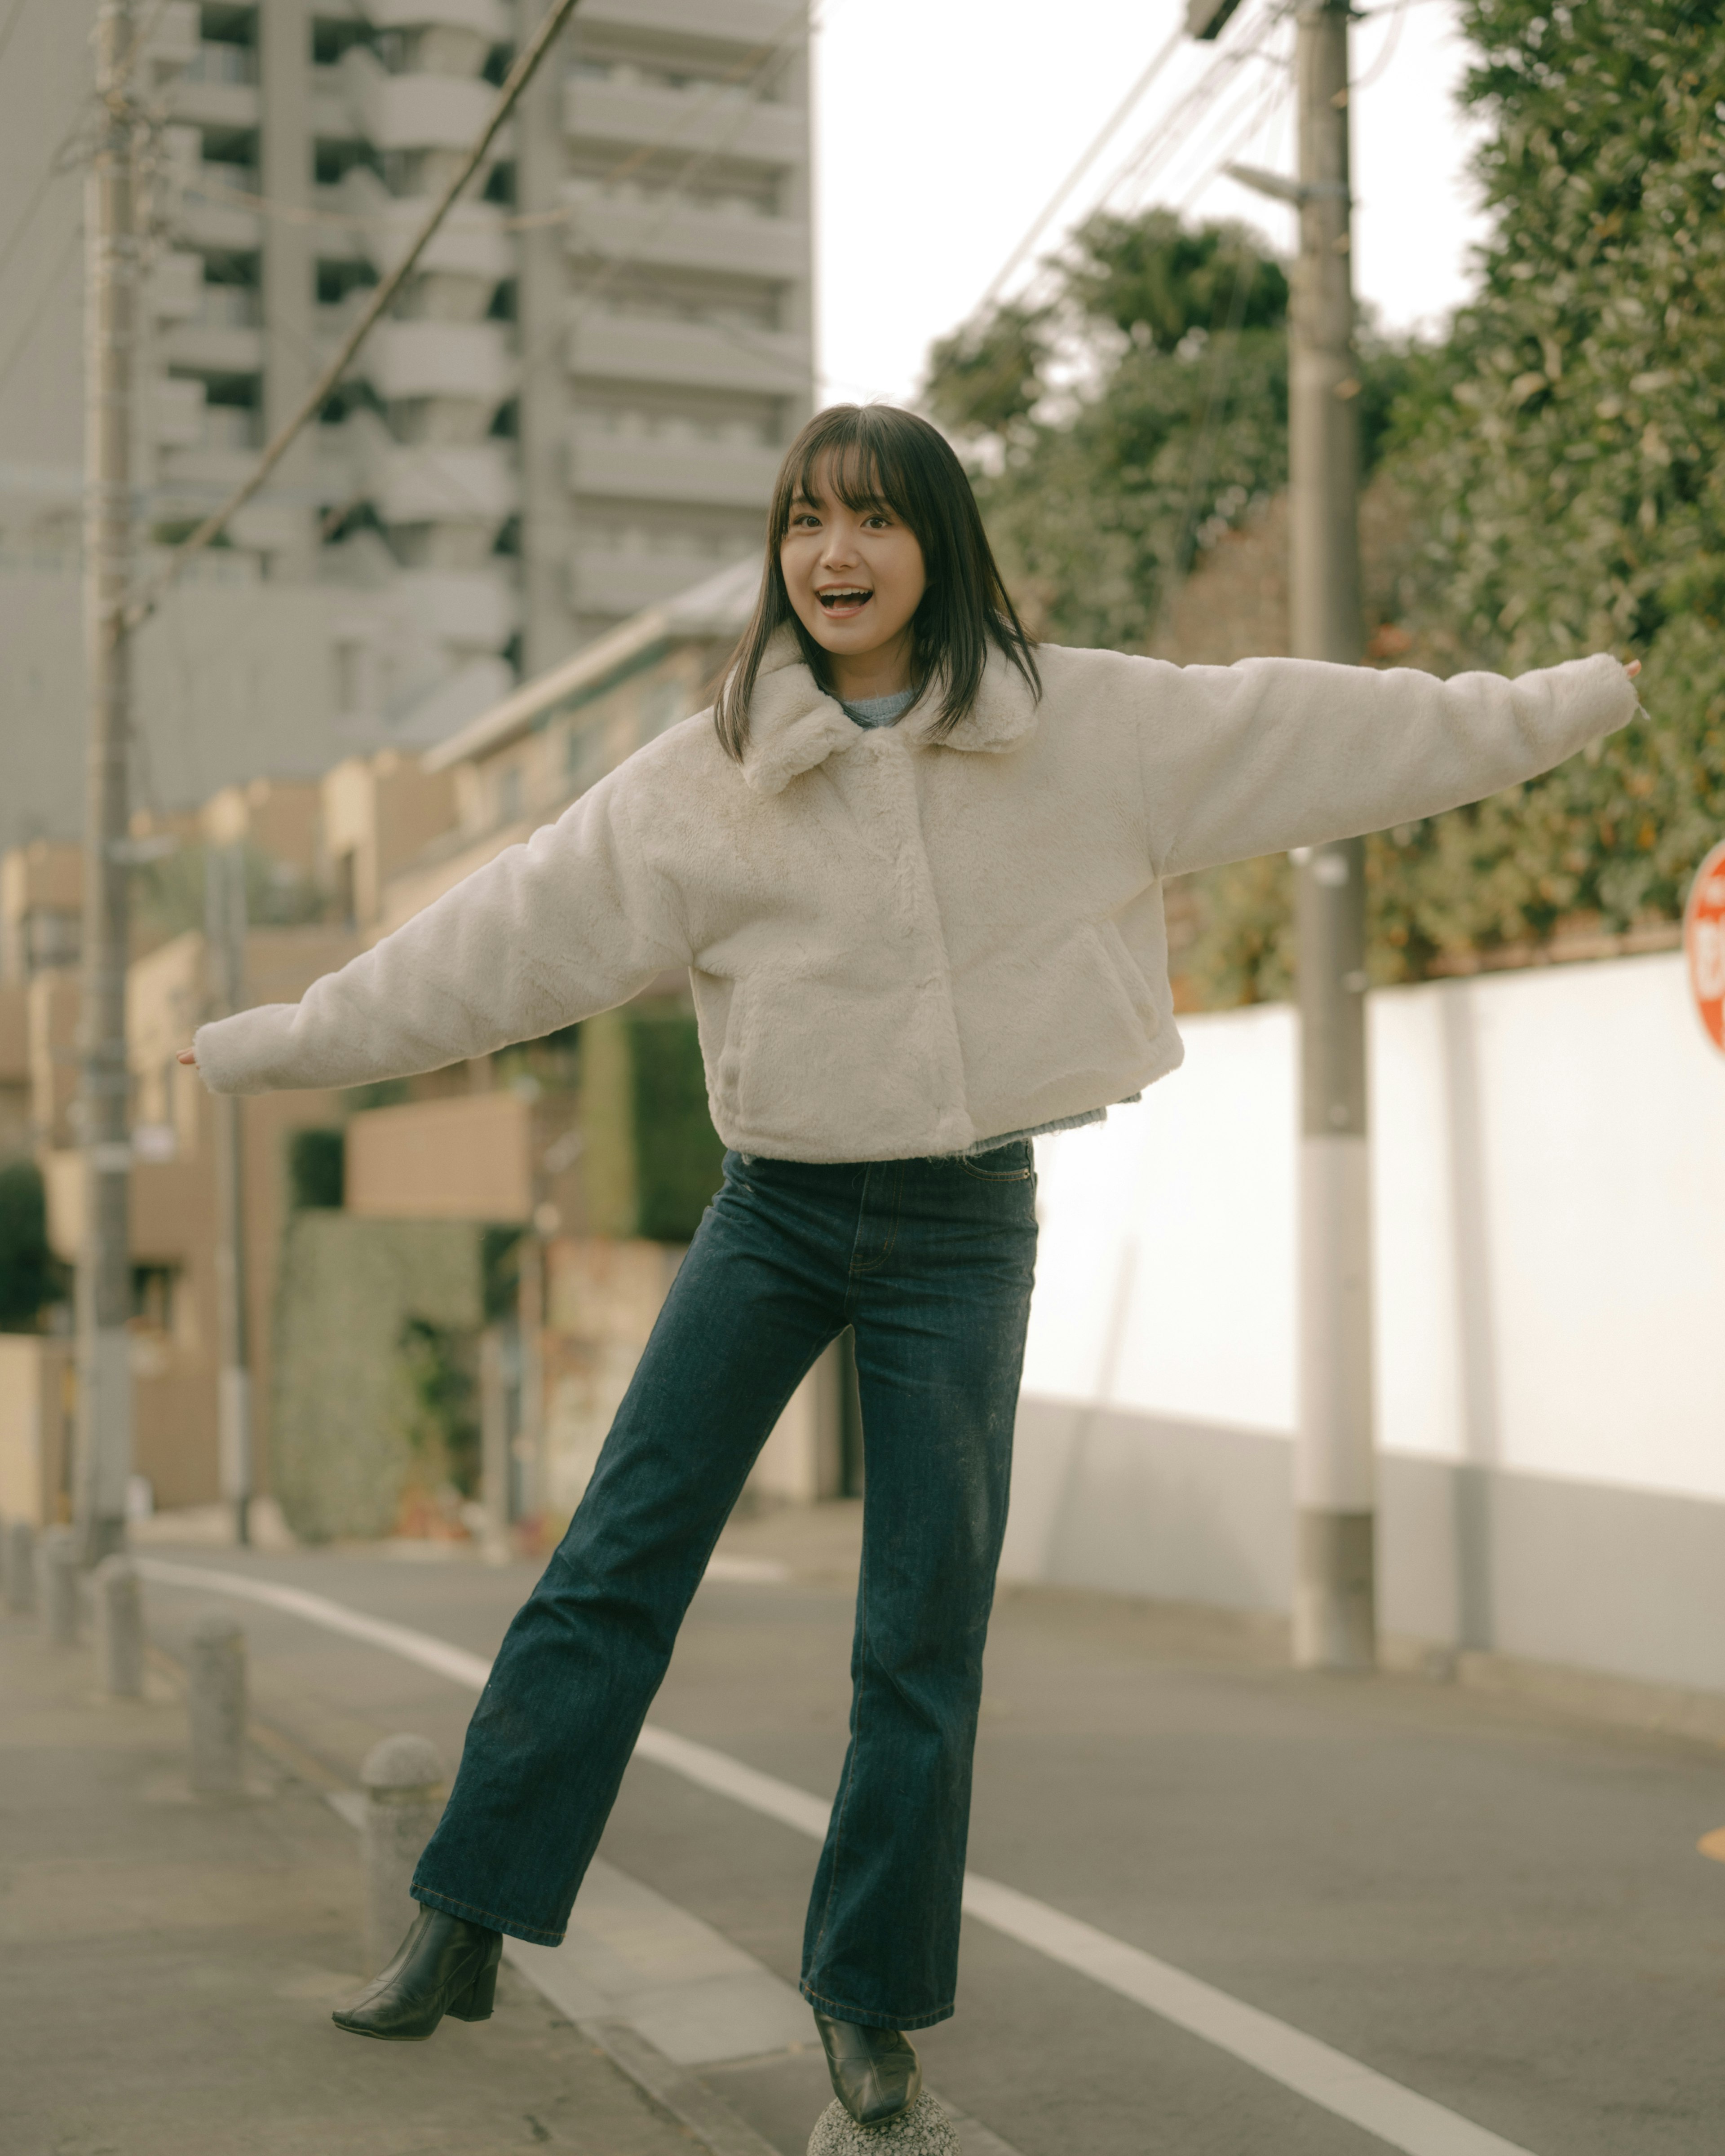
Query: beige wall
x=44, y=877
x=467, y=1157
x=378, y=813
x=54, y=1075
x=14, y=1069
x=282, y=818
x=35, y=1428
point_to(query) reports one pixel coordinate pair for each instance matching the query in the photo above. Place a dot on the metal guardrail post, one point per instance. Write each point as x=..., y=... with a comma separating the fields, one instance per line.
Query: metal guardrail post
x=20, y=1552
x=215, y=1705
x=60, y=1582
x=120, y=1627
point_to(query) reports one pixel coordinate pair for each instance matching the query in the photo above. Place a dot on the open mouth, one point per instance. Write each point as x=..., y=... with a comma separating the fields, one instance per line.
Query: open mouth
x=844, y=604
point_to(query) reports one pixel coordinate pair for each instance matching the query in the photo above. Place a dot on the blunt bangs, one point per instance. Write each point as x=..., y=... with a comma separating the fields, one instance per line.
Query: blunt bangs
x=880, y=456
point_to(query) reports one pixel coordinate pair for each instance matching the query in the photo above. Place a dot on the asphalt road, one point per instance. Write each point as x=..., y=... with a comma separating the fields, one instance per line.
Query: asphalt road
x=1500, y=1908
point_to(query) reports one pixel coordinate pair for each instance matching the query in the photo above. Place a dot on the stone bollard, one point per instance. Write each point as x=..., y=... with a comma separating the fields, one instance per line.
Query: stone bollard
x=20, y=1567
x=215, y=1705
x=923, y=2130
x=403, y=1777
x=120, y=1627
x=59, y=1586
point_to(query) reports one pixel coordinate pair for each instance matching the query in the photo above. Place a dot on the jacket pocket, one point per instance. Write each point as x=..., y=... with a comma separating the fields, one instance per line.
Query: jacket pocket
x=1014, y=1163
x=727, y=1070
x=1125, y=970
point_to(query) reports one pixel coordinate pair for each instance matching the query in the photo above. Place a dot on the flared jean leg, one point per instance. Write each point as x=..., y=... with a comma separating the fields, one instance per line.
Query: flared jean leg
x=940, y=1298
x=757, y=1297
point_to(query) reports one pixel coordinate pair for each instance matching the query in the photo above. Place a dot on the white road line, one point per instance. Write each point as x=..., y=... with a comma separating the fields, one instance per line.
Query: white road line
x=1397, y=2115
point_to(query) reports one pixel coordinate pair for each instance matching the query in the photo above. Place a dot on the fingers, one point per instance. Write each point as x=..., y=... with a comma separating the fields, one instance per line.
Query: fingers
x=1633, y=669
x=188, y=1055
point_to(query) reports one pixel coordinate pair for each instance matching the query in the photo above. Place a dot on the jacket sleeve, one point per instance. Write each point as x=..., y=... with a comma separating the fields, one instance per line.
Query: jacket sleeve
x=570, y=923
x=1274, y=753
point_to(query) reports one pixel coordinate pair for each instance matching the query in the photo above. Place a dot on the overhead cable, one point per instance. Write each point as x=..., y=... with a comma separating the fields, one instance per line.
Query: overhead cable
x=1098, y=142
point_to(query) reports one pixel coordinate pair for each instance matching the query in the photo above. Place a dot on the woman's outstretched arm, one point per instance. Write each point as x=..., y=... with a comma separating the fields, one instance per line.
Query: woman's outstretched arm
x=1274, y=753
x=573, y=921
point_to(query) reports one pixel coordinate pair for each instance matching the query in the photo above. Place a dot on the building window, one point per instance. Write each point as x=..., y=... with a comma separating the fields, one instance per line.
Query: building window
x=332, y=159
x=153, y=1297
x=336, y=280
x=230, y=298
x=331, y=37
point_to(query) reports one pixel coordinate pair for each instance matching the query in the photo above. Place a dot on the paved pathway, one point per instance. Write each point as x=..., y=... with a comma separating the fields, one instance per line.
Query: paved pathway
x=1500, y=1910
x=167, y=1965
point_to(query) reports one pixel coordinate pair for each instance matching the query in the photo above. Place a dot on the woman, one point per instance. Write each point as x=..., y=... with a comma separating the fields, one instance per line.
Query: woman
x=914, y=864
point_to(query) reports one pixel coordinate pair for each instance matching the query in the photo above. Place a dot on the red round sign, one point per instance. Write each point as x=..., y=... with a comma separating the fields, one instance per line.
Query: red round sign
x=1704, y=940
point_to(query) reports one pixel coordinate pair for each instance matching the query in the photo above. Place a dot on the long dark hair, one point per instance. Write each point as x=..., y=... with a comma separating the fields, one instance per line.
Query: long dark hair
x=880, y=454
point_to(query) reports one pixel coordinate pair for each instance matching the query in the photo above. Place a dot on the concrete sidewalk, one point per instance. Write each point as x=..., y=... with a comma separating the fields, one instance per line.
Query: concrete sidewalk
x=167, y=1964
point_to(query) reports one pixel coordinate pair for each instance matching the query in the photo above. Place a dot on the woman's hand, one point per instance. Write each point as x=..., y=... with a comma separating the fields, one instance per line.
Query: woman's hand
x=1633, y=669
x=188, y=1055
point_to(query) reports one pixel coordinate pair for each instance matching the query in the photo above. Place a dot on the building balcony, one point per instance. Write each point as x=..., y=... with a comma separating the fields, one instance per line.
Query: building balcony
x=468, y=360
x=649, y=468
x=724, y=118
x=204, y=470
x=176, y=408
x=208, y=219
x=749, y=22
x=489, y=18
x=471, y=242
x=698, y=355
x=429, y=483
x=205, y=101
x=213, y=348
x=613, y=225
x=220, y=63
x=604, y=581
x=424, y=112
x=175, y=287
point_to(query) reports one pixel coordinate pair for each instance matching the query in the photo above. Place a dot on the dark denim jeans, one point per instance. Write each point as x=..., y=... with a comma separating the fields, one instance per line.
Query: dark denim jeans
x=931, y=1261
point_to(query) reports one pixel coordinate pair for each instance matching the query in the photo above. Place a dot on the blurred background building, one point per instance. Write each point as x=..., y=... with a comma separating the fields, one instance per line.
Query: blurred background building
x=576, y=411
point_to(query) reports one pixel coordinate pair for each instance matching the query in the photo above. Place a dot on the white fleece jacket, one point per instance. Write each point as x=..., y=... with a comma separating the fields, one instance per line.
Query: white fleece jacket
x=899, y=947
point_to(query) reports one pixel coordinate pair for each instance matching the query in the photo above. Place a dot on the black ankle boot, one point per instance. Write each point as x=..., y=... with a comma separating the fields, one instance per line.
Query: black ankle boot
x=875, y=2071
x=444, y=1965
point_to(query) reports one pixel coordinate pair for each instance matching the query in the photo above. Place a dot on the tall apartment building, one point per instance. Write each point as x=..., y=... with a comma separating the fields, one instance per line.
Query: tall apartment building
x=576, y=409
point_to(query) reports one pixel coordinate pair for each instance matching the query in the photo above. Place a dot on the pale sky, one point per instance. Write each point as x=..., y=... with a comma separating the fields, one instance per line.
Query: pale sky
x=943, y=127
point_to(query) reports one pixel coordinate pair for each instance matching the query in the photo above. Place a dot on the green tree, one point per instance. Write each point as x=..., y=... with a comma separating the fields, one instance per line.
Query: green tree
x=1569, y=441
x=1114, y=430
x=29, y=1274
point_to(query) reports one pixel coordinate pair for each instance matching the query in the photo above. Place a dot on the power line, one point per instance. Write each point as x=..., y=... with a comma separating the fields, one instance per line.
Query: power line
x=12, y=22
x=1280, y=90
x=1386, y=53
x=1098, y=142
x=1176, y=127
x=33, y=314
x=1170, y=131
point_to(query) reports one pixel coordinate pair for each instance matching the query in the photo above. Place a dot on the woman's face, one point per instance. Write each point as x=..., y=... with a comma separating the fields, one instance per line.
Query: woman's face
x=855, y=576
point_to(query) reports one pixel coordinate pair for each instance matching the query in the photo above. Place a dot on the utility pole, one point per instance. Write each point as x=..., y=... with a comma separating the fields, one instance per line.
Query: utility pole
x=104, y=1280
x=224, y=915
x=1335, y=1596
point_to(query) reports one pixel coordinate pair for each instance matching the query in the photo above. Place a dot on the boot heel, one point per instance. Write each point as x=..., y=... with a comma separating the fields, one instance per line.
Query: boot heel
x=476, y=2002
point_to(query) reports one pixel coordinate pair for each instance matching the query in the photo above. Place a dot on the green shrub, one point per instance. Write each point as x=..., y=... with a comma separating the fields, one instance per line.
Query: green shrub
x=316, y=1168
x=29, y=1274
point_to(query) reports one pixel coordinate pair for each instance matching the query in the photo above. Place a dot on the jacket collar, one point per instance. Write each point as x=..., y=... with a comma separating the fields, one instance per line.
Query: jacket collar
x=795, y=725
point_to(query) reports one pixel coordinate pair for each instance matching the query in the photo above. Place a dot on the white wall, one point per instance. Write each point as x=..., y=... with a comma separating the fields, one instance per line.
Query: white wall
x=1548, y=1159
